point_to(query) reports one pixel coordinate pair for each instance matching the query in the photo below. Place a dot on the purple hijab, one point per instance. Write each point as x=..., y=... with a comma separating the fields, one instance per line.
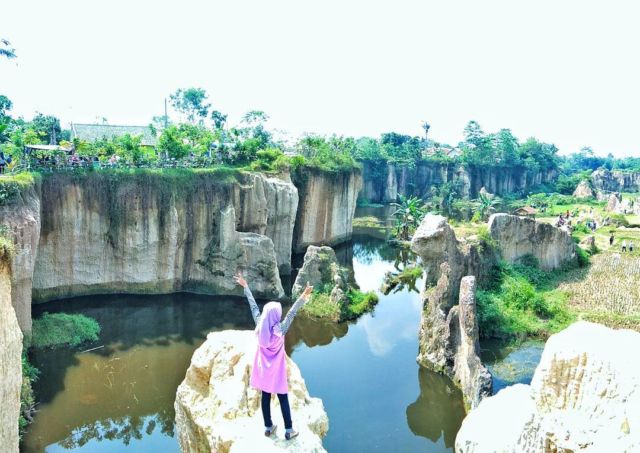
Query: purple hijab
x=269, y=371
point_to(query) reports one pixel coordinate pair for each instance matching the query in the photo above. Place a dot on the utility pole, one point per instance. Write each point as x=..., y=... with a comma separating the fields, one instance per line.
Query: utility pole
x=166, y=118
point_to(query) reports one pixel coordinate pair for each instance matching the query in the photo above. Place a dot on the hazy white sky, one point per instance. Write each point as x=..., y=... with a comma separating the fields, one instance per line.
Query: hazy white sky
x=565, y=71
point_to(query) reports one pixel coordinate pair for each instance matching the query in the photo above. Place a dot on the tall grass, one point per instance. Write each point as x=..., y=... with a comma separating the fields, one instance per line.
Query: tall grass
x=62, y=329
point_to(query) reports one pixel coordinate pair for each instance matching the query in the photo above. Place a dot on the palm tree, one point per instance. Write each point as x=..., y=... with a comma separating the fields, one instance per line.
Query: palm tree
x=6, y=50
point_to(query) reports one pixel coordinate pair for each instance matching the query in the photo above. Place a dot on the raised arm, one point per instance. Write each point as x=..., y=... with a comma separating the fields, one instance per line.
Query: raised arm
x=255, y=310
x=293, y=311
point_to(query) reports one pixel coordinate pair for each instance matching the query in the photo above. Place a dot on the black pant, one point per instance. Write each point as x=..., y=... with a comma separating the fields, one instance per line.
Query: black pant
x=284, y=405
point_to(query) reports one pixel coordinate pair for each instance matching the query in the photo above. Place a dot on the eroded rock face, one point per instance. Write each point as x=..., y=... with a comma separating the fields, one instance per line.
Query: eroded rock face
x=583, y=190
x=320, y=269
x=10, y=365
x=584, y=397
x=326, y=208
x=21, y=216
x=616, y=180
x=474, y=379
x=105, y=233
x=448, y=339
x=383, y=183
x=589, y=244
x=520, y=236
x=217, y=410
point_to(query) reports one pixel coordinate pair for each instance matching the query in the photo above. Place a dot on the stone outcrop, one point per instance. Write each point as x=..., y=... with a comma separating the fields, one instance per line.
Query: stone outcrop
x=10, y=364
x=616, y=180
x=448, y=339
x=105, y=233
x=217, y=410
x=584, y=396
x=21, y=217
x=472, y=377
x=327, y=206
x=520, y=236
x=588, y=243
x=613, y=202
x=321, y=270
x=583, y=190
x=384, y=182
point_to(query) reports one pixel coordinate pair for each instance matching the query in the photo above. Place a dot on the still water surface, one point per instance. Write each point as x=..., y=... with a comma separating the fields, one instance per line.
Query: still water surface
x=120, y=397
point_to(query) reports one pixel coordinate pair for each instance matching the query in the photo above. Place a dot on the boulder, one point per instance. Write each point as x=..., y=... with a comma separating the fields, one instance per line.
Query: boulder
x=583, y=190
x=217, y=409
x=448, y=338
x=588, y=244
x=584, y=396
x=10, y=364
x=520, y=236
x=613, y=202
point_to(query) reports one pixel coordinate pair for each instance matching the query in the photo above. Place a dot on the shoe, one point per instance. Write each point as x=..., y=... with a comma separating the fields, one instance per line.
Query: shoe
x=291, y=435
x=270, y=432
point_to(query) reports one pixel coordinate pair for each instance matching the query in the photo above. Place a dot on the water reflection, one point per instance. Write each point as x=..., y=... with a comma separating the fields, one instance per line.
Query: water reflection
x=511, y=363
x=437, y=396
x=120, y=397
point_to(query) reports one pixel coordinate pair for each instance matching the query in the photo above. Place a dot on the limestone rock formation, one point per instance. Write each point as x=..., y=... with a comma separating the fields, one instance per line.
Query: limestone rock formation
x=448, y=339
x=10, y=365
x=473, y=378
x=326, y=208
x=217, y=410
x=613, y=202
x=485, y=192
x=589, y=244
x=520, y=236
x=383, y=184
x=250, y=253
x=21, y=217
x=321, y=269
x=583, y=190
x=616, y=180
x=584, y=396
x=105, y=233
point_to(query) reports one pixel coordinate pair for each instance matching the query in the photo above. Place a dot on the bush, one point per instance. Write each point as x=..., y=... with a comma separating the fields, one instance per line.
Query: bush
x=27, y=400
x=359, y=303
x=583, y=257
x=62, y=329
x=619, y=220
x=319, y=306
x=517, y=303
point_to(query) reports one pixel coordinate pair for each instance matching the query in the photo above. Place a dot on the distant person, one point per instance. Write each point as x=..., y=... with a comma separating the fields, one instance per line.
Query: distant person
x=624, y=246
x=611, y=238
x=631, y=247
x=3, y=162
x=269, y=371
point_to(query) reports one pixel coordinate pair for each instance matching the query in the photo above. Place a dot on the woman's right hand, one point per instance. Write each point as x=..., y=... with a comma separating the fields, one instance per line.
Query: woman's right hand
x=307, y=292
x=240, y=281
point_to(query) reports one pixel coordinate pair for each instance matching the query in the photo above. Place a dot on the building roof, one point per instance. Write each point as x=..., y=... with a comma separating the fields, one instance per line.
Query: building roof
x=93, y=132
x=48, y=147
x=526, y=210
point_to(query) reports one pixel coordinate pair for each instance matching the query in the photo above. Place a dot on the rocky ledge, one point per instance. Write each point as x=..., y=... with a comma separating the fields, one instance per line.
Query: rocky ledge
x=520, y=236
x=218, y=411
x=584, y=396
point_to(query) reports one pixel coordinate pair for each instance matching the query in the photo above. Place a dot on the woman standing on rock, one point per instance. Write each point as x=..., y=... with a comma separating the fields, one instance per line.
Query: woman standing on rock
x=269, y=372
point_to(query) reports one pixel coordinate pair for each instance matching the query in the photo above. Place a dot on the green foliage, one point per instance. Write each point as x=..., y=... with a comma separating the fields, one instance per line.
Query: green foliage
x=486, y=241
x=12, y=186
x=172, y=144
x=359, y=303
x=320, y=306
x=27, y=399
x=619, y=220
x=583, y=257
x=191, y=102
x=334, y=154
x=62, y=329
x=408, y=214
x=520, y=303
